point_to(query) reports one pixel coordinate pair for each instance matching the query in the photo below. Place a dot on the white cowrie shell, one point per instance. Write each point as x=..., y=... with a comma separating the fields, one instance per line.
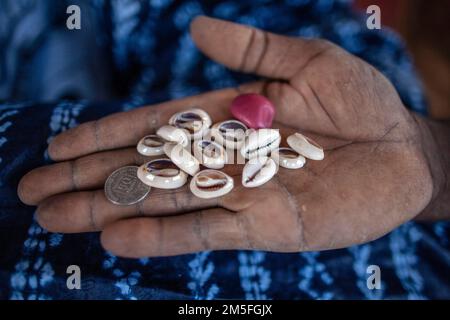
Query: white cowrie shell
x=209, y=184
x=229, y=133
x=288, y=158
x=182, y=158
x=196, y=121
x=305, y=146
x=151, y=145
x=210, y=154
x=162, y=173
x=173, y=134
x=258, y=171
x=260, y=143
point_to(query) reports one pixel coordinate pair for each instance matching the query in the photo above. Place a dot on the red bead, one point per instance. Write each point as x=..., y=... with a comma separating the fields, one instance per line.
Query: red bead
x=254, y=110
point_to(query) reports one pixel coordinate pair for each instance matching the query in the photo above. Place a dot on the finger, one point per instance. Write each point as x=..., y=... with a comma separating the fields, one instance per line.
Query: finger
x=90, y=211
x=213, y=229
x=126, y=128
x=252, y=50
x=85, y=173
x=89, y=172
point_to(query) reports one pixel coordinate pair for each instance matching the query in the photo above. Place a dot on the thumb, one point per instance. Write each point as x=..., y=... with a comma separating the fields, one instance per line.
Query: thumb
x=251, y=50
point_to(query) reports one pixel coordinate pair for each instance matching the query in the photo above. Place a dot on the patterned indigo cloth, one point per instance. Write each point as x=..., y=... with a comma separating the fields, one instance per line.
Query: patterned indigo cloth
x=152, y=58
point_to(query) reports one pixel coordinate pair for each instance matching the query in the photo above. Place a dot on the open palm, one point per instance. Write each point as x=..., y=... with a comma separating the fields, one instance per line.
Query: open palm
x=373, y=178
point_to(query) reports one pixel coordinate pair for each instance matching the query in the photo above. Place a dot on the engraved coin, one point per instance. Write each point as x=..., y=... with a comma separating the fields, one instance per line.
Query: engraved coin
x=123, y=187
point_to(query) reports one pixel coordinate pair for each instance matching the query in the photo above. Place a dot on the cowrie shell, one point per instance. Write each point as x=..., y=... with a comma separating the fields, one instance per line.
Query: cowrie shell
x=305, y=146
x=210, y=154
x=288, y=158
x=229, y=133
x=209, y=184
x=196, y=121
x=260, y=143
x=258, y=171
x=182, y=158
x=162, y=173
x=151, y=145
x=173, y=134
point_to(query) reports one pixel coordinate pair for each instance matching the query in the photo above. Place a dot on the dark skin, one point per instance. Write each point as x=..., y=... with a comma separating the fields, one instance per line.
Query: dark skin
x=383, y=165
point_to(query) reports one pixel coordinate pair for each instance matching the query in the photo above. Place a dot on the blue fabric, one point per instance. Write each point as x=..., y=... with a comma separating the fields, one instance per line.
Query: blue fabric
x=155, y=59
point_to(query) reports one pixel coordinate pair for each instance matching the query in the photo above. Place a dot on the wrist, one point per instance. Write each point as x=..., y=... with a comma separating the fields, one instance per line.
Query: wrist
x=435, y=143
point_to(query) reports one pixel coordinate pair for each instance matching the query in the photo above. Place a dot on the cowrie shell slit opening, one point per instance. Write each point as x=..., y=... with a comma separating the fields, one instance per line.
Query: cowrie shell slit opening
x=229, y=133
x=260, y=143
x=210, y=183
x=162, y=173
x=288, y=158
x=305, y=146
x=258, y=171
x=151, y=145
x=195, y=121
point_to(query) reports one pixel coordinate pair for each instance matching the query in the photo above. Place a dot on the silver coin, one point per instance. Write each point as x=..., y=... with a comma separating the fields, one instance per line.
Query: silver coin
x=123, y=187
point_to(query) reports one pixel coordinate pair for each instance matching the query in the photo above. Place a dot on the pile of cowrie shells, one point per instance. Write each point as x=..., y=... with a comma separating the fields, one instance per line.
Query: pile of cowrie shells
x=191, y=141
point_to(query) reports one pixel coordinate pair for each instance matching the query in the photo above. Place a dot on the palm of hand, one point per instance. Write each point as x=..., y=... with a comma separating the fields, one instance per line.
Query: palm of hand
x=358, y=192
x=372, y=178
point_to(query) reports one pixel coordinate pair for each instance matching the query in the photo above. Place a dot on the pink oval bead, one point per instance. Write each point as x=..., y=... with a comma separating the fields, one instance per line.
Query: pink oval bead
x=254, y=110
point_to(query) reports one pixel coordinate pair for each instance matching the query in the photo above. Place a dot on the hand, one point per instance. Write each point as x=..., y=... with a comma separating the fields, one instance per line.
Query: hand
x=375, y=175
